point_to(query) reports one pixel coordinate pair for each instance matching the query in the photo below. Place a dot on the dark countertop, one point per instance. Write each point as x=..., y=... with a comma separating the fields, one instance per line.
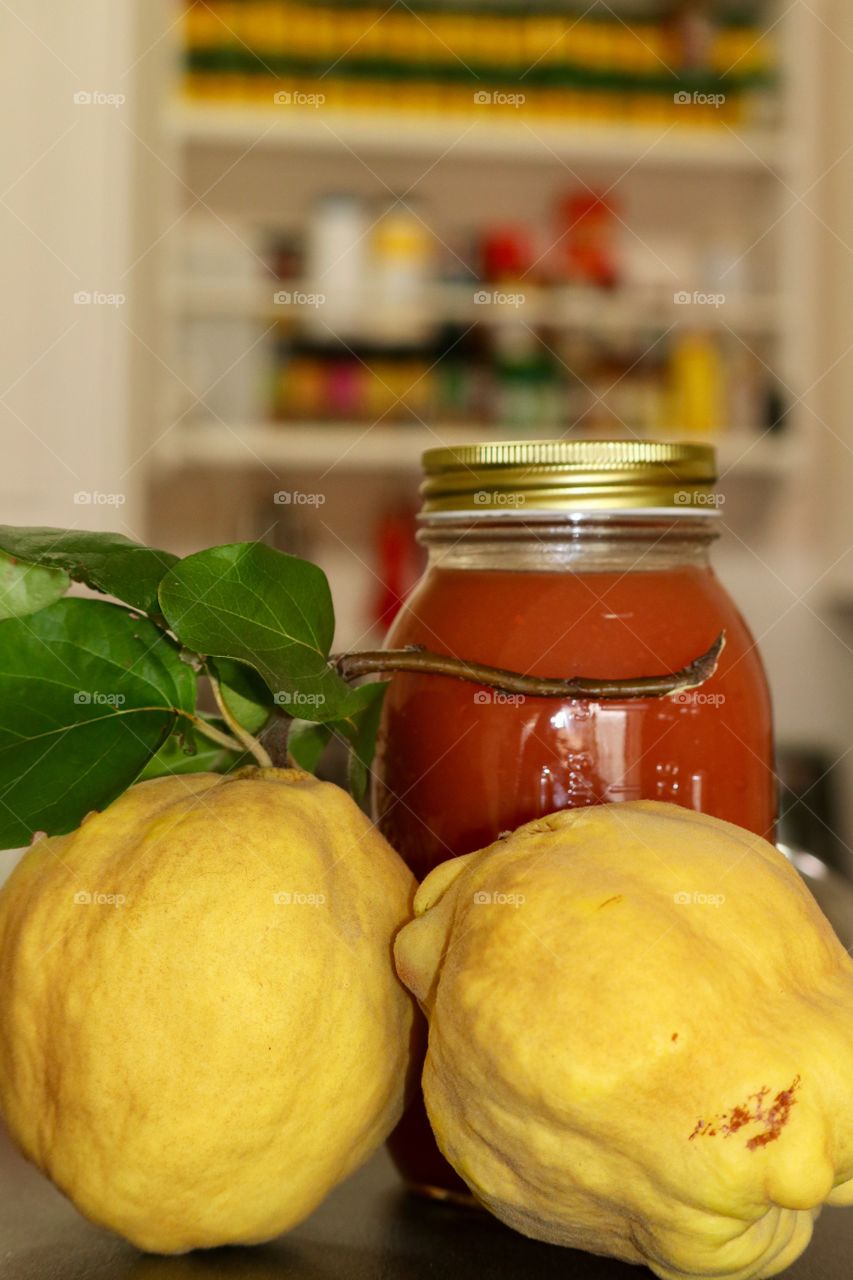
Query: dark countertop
x=369, y=1229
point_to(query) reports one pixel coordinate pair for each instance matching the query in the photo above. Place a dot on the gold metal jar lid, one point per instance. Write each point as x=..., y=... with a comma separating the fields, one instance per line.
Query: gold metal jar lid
x=518, y=476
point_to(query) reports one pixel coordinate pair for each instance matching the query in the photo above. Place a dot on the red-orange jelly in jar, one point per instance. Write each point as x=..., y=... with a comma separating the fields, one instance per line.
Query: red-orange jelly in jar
x=564, y=558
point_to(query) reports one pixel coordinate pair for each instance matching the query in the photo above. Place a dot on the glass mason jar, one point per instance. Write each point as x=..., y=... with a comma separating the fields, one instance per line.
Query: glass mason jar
x=564, y=558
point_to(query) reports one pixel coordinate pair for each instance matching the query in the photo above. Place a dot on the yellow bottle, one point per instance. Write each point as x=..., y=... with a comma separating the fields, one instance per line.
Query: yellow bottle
x=696, y=385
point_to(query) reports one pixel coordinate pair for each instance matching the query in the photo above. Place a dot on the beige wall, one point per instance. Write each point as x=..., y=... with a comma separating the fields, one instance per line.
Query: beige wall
x=64, y=228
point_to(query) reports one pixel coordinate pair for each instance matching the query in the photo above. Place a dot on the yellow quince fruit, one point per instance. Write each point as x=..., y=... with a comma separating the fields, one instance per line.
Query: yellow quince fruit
x=201, y=1030
x=641, y=1038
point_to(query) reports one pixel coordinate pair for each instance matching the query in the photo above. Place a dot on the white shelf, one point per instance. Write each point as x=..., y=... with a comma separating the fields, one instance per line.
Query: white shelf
x=397, y=449
x=310, y=446
x=557, y=306
x=473, y=137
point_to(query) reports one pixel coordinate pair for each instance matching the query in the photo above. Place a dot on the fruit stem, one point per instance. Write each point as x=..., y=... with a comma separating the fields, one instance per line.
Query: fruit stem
x=244, y=738
x=211, y=731
x=418, y=659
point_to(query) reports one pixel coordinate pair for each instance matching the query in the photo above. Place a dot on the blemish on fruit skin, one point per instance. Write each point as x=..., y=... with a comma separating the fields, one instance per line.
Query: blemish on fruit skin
x=674, y=1036
x=753, y=1111
x=740, y=1116
x=616, y=898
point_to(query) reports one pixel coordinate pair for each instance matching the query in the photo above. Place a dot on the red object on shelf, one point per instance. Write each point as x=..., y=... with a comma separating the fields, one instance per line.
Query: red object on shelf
x=507, y=254
x=395, y=536
x=587, y=225
x=343, y=389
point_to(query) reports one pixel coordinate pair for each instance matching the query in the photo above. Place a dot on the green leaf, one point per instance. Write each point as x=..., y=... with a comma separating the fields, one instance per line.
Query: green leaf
x=88, y=693
x=26, y=588
x=108, y=562
x=267, y=609
x=189, y=751
x=306, y=743
x=244, y=693
x=360, y=730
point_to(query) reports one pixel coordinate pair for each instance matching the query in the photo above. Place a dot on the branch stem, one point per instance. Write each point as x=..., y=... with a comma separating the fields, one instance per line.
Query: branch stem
x=244, y=739
x=422, y=661
x=211, y=731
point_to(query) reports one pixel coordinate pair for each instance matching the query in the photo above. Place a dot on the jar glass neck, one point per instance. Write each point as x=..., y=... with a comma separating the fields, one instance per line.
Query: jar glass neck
x=588, y=545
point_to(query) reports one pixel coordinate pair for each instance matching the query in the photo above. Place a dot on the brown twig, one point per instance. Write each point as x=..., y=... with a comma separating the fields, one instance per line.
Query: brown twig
x=422, y=661
x=274, y=738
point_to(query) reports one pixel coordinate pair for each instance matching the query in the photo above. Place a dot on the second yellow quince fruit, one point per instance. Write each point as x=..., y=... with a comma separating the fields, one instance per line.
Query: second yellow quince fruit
x=641, y=1038
x=201, y=1031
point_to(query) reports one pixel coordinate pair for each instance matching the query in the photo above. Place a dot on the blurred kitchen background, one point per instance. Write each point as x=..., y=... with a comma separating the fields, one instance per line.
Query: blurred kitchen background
x=258, y=255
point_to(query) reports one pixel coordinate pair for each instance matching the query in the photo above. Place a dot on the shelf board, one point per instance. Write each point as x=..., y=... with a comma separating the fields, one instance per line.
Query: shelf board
x=555, y=306
x=472, y=137
x=360, y=447
x=310, y=446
